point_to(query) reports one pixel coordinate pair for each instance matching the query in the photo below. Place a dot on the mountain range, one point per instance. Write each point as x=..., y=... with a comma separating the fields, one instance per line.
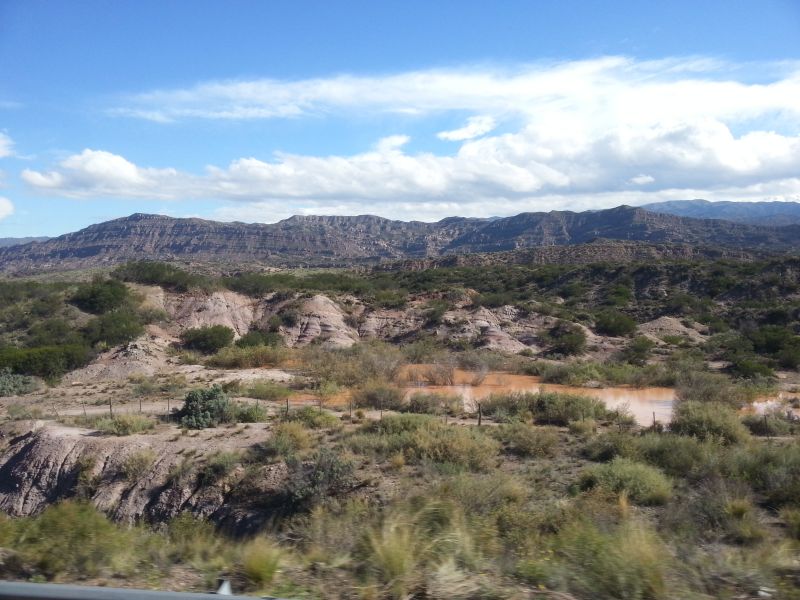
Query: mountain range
x=754, y=213
x=345, y=240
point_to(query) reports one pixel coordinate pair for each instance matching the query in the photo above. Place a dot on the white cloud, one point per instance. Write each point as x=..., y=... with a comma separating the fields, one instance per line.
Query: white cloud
x=475, y=127
x=641, y=179
x=590, y=133
x=596, y=90
x=6, y=145
x=6, y=208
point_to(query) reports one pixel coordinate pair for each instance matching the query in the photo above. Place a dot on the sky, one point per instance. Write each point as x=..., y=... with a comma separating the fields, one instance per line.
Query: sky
x=416, y=110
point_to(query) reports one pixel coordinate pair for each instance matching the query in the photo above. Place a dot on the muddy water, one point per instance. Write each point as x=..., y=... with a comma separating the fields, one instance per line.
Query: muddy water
x=643, y=403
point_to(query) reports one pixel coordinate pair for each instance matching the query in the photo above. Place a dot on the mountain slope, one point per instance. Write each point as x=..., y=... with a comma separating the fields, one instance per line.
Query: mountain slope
x=13, y=241
x=754, y=213
x=321, y=240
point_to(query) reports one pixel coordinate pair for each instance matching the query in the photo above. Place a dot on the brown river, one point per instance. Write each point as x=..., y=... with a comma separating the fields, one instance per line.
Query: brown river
x=645, y=404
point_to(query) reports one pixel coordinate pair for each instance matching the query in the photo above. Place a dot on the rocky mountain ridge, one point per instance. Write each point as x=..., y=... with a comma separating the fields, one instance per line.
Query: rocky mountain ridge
x=344, y=240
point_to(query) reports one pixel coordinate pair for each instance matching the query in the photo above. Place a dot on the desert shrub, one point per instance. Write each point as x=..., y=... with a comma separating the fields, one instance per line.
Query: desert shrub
x=642, y=483
x=566, y=339
x=701, y=386
x=676, y=455
x=205, y=408
x=584, y=427
x=247, y=358
x=161, y=274
x=379, y=396
x=439, y=373
x=607, y=446
x=20, y=412
x=287, y=439
x=612, y=373
x=422, y=439
x=12, y=384
x=629, y=561
x=708, y=421
x=525, y=440
x=718, y=510
x=774, y=423
x=46, y=361
x=313, y=418
x=136, y=465
x=435, y=310
x=350, y=367
x=791, y=517
x=100, y=296
x=73, y=539
x=207, y=340
x=260, y=562
x=256, y=337
x=546, y=408
x=615, y=323
x=434, y=404
x=483, y=493
x=113, y=328
x=771, y=470
x=218, y=466
x=248, y=413
x=328, y=473
x=120, y=425
x=265, y=389
x=637, y=351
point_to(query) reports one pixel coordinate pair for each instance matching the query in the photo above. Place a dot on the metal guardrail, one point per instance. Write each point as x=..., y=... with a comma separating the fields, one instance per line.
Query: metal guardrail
x=13, y=590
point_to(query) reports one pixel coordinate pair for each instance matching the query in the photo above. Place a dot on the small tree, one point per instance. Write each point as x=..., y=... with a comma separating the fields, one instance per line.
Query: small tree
x=207, y=340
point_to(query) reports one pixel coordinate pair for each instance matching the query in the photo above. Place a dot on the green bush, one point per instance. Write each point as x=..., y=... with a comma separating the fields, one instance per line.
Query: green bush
x=207, y=340
x=421, y=439
x=615, y=323
x=248, y=413
x=629, y=561
x=546, y=408
x=771, y=470
x=525, y=440
x=218, y=466
x=264, y=389
x=326, y=474
x=771, y=424
x=433, y=404
x=379, y=396
x=709, y=387
x=47, y=361
x=100, y=296
x=251, y=357
x=642, y=483
x=676, y=455
x=287, y=439
x=313, y=418
x=136, y=465
x=708, y=421
x=12, y=384
x=260, y=561
x=205, y=408
x=256, y=337
x=161, y=274
x=566, y=339
x=637, y=350
x=74, y=539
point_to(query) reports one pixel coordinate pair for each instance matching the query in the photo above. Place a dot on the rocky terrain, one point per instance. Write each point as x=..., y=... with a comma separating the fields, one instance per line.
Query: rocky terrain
x=319, y=241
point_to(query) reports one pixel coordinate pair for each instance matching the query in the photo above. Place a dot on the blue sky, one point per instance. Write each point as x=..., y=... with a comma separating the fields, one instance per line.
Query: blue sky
x=416, y=110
